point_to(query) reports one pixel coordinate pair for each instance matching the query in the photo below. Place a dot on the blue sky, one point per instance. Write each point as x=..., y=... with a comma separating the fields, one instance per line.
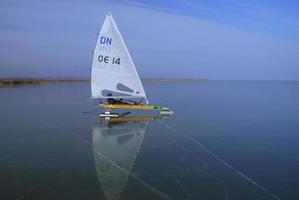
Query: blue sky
x=272, y=16
x=217, y=39
x=276, y=17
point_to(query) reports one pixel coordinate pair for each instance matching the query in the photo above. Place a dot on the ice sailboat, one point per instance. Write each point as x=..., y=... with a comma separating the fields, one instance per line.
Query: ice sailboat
x=114, y=77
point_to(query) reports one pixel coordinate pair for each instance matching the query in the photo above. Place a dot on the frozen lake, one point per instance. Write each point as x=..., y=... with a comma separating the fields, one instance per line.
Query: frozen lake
x=227, y=140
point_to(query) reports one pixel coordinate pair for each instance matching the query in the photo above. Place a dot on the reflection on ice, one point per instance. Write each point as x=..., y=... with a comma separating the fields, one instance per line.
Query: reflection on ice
x=116, y=145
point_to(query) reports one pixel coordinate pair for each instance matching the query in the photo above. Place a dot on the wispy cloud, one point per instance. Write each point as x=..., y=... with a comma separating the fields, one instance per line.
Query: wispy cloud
x=248, y=15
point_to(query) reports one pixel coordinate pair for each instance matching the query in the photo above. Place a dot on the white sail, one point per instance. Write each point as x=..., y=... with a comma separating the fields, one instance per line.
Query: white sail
x=113, y=71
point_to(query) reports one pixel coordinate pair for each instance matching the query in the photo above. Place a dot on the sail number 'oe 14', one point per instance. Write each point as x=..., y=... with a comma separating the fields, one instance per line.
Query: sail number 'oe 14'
x=107, y=59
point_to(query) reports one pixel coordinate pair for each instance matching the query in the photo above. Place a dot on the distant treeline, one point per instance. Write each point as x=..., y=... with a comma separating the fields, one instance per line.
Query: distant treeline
x=40, y=81
x=34, y=81
x=175, y=79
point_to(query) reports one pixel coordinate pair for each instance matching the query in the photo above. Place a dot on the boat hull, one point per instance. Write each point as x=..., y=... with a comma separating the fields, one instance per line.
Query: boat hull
x=163, y=110
x=132, y=106
x=127, y=106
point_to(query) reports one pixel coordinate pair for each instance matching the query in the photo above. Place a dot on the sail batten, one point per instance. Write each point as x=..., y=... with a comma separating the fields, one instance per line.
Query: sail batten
x=113, y=66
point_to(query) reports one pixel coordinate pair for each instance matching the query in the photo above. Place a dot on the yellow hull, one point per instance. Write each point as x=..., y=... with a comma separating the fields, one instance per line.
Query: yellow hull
x=110, y=107
x=137, y=119
x=128, y=106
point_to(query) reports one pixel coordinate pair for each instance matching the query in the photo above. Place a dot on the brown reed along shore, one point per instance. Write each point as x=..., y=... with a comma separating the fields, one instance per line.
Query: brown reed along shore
x=17, y=81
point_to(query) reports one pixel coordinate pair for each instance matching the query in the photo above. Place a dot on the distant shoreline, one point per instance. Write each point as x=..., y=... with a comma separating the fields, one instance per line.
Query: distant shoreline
x=37, y=81
x=175, y=79
x=17, y=81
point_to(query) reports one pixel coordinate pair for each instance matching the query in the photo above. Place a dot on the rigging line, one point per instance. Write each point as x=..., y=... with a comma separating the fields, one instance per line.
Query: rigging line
x=222, y=161
x=138, y=179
